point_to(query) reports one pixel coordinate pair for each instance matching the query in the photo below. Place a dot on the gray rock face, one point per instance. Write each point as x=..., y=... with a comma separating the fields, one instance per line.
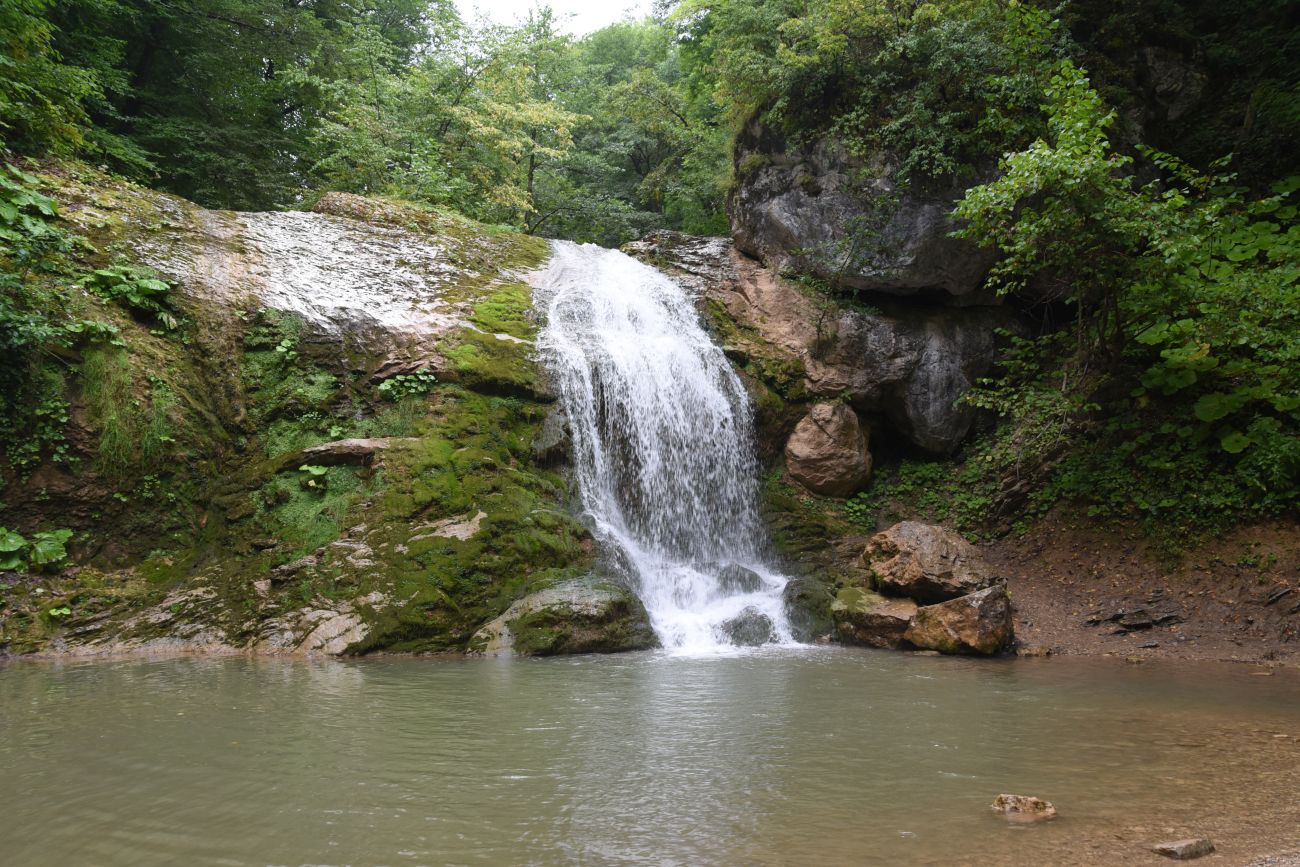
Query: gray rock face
x=979, y=623
x=819, y=211
x=869, y=620
x=910, y=364
x=734, y=579
x=808, y=608
x=750, y=628
x=925, y=562
x=579, y=615
x=827, y=453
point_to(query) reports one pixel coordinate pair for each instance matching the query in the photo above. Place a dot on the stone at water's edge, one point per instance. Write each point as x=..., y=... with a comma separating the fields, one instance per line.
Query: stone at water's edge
x=867, y=619
x=979, y=623
x=925, y=562
x=1184, y=850
x=808, y=608
x=578, y=615
x=827, y=453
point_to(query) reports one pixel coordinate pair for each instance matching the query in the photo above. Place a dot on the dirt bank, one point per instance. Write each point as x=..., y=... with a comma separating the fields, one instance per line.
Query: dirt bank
x=1081, y=589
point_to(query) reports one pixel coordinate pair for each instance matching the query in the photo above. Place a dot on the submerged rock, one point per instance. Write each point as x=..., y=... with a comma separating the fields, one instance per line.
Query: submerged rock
x=750, y=628
x=925, y=562
x=978, y=623
x=827, y=453
x=734, y=579
x=579, y=615
x=1184, y=850
x=808, y=608
x=867, y=619
x=1024, y=808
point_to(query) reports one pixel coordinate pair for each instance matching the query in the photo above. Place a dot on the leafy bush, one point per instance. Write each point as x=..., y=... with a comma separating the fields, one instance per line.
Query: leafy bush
x=45, y=550
x=1177, y=388
x=405, y=385
x=139, y=288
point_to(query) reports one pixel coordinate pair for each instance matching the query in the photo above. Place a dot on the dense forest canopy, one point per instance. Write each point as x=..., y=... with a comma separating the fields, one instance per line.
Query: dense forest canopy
x=1168, y=240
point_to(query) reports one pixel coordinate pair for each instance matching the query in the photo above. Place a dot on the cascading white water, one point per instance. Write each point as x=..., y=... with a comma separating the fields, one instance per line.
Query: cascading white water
x=663, y=448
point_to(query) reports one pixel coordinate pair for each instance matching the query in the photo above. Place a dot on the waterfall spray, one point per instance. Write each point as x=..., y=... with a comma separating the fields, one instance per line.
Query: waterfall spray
x=663, y=448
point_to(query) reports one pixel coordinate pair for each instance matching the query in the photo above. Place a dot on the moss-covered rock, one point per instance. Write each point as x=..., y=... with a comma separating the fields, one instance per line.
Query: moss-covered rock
x=262, y=479
x=867, y=619
x=577, y=615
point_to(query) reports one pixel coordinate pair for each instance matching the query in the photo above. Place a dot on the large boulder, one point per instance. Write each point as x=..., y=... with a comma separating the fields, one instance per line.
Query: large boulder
x=749, y=628
x=580, y=615
x=925, y=562
x=827, y=453
x=808, y=602
x=865, y=618
x=817, y=210
x=978, y=623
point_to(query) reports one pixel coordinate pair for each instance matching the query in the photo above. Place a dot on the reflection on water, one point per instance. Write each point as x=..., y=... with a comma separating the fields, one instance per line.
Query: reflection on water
x=811, y=757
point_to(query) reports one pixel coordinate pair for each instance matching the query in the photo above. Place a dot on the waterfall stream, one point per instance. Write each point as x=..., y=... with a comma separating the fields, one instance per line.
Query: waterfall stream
x=663, y=448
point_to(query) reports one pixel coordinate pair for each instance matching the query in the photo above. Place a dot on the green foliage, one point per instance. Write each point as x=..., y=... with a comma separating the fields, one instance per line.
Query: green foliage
x=404, y=385
x=943, y=86
x=41, y=96
x=138, y=287
x=11, y=548
x=1182, y=373
x=45, y=550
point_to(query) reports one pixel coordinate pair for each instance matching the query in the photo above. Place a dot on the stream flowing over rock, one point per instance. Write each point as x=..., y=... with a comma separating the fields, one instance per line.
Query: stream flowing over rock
x=663, y=448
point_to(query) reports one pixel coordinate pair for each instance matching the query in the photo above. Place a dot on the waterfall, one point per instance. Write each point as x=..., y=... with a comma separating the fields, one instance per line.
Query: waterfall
x=663, y=448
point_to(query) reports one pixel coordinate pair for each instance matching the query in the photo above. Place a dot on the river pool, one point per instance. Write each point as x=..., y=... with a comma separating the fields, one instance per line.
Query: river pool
x=799, y=757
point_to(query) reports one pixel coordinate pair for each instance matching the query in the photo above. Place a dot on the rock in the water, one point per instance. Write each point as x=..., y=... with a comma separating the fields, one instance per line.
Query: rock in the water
x=1024, y=807
x=734, y=579
x=1184, y=850
x=580, y=615
x=865, y=618
x=977, y=623
x=925, y=562
x=809, y=210
x=808, y=608
x=750, y=628
x=827, y=453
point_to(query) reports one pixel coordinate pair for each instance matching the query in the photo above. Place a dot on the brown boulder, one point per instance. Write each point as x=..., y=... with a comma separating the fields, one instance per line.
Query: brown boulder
x=865, y=618
x=827, y=453
x=1024, y=808
x=977, y=623
x=925, y=562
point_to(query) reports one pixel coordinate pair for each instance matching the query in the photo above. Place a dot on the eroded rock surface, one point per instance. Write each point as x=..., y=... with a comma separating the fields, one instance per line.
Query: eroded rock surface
x=816, y=210
x=925, y=562
x=827, y=453
x=908, y=363
x=979, y=623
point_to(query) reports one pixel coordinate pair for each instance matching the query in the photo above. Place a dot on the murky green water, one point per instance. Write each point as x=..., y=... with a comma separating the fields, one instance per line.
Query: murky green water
x=800, y=758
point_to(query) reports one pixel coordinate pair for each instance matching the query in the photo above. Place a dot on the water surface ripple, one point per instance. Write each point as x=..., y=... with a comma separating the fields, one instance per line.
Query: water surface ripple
x=776, y=757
